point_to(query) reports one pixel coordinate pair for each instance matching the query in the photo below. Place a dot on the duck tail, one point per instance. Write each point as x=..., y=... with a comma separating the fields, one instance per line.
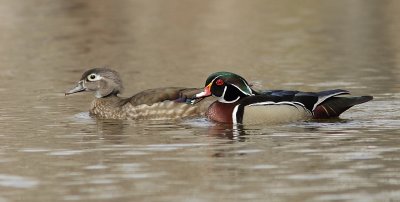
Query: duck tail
x=334, y=106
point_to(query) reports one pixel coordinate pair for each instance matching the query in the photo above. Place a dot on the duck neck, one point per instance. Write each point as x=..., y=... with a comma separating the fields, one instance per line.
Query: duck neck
x=108, y=107
x=221, y=112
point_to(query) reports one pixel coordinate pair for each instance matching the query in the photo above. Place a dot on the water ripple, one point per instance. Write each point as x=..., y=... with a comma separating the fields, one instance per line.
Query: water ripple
x=17, y=181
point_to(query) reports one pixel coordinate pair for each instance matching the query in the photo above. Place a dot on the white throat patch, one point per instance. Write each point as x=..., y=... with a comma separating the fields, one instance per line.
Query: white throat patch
x=98, y=94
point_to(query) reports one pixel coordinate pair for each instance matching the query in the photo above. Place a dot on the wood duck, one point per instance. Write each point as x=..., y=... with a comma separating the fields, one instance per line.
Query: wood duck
x=160, y=103
x=237, y=102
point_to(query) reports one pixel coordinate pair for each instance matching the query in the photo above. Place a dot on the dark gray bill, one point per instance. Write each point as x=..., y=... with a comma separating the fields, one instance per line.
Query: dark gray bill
x=78, y=88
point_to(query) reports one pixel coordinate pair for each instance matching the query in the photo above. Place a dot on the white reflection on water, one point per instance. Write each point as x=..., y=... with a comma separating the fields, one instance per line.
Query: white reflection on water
x=83, y=117
x=17, y=181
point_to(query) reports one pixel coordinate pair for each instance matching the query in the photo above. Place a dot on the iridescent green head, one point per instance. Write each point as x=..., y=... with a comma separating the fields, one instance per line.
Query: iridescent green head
x=227, y=86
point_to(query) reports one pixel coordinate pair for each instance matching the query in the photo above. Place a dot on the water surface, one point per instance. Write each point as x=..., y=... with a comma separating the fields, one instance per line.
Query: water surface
x=52, y=150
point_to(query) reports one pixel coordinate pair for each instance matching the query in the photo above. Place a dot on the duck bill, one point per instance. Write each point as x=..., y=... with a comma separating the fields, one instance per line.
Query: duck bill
x=78, y=88
x=206, y=92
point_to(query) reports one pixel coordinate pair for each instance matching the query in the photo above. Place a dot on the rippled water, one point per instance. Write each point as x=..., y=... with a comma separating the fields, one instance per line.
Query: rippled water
x=52, y=150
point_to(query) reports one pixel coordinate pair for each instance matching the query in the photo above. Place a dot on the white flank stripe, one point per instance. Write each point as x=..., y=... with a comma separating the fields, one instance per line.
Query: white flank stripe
x=277, y=103
x=294, y=104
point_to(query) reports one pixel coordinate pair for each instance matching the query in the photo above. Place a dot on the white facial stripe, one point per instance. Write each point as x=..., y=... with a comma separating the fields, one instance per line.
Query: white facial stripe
x=214, y=79
x=248, y=87
x=223, y=94
x=222, y=99
x=203, y=93
x=242, y=90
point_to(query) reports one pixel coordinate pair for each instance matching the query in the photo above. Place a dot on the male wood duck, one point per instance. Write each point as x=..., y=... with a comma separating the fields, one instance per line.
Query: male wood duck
x=237, y=102
x=155, y=104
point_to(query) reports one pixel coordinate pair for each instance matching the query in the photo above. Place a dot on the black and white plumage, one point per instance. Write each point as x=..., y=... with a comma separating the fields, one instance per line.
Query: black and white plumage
x=272, y=106
x=296, y=105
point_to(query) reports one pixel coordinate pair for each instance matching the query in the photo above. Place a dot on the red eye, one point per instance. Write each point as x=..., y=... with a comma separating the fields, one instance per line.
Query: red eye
x=219, y=82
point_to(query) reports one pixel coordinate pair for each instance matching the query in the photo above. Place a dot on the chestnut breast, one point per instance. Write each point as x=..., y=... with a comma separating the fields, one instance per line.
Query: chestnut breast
x=221, y=112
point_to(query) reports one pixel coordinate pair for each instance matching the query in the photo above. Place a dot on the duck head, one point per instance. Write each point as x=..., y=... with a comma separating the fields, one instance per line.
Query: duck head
x=102, y=81
x=226, y=86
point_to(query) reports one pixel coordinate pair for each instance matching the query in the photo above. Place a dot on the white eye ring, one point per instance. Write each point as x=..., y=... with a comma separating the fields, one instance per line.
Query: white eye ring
x=93, y=77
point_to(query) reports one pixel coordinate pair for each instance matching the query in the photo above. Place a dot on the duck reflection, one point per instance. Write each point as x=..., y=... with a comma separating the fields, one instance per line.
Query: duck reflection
x=111, y=130
x=227, y=131
x=117, y=131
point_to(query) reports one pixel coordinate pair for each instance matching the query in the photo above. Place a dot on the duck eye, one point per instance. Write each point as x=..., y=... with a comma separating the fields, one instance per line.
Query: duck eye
x=219, y=82
x=92, y=77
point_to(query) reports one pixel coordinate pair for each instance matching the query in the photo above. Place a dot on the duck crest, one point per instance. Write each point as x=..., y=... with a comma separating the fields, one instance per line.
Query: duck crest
x=238, y=103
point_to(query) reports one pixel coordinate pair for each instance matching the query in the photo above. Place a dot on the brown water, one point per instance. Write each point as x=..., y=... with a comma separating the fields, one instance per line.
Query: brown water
x=51, y=150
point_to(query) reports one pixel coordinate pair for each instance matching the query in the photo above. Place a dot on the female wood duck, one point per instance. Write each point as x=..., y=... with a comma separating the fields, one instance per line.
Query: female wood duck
x=160, y=103
x=239, y=103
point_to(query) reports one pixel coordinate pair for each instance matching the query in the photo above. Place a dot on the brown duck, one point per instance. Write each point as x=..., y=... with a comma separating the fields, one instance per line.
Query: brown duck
x=155, y=104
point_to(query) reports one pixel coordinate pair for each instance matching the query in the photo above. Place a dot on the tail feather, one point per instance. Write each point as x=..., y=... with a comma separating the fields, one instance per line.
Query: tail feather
x=334, y=106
